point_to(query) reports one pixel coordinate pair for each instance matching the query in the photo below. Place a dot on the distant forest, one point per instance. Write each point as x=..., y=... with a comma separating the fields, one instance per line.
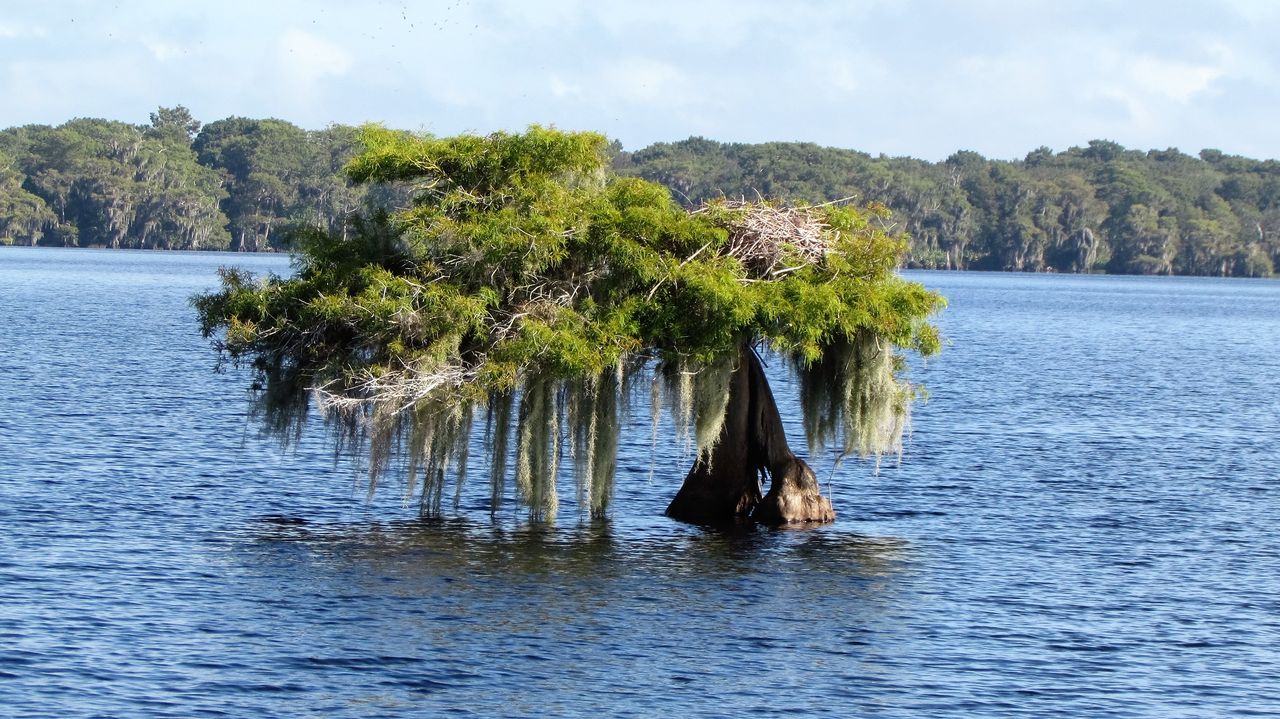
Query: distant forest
x=242, y=184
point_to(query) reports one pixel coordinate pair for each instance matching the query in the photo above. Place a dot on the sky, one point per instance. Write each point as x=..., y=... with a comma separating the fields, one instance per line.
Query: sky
x=922, y=78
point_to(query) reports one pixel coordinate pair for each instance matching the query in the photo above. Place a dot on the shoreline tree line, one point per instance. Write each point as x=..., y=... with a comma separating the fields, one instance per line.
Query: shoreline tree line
x=245, y=184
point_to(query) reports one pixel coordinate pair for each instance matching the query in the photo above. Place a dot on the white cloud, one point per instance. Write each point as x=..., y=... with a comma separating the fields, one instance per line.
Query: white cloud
x=1172, y=79
x=1157, y=92
x=308, y=58
x=164, y=51
x=560, y=88
x=842, y=76
x=1255, y=11
x=898, y=76
x=640, y=79
x=1009, y=78
x=10, y=31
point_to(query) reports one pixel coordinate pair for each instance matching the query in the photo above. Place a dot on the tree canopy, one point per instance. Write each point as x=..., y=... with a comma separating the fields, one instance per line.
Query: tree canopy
x=237, y=183
x=527, y=284
x=112, y=184
x=245, y=184
x=1096, y=208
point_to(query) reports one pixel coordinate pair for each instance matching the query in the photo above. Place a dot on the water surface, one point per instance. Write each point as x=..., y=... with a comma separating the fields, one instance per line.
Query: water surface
x=1086, y=524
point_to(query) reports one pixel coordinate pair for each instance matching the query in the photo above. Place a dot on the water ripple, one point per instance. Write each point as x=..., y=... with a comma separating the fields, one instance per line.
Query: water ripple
x=1085, y=526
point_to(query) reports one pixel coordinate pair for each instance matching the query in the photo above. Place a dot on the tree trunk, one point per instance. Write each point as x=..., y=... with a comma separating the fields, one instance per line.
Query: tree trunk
x=726, y=487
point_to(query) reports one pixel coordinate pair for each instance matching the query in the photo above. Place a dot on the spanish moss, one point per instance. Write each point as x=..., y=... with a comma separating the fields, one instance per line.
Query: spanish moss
x=537, y=449
x=497, y=438
x=710, y=398
x=853, y=398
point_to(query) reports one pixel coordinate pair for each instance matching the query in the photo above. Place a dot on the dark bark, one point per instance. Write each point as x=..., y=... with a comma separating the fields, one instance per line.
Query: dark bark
x=726, y=487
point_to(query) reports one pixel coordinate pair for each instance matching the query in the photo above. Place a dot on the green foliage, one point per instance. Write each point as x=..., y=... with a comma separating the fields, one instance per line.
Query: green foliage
x=24, y=217
x=1069, y=211
x=522, y=270
x=254, y=184
x=175, y=124
x=112, y=184
x=262, y=163
x=236, y=183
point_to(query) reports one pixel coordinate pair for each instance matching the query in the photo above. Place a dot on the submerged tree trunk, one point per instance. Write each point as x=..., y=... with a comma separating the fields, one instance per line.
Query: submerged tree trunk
x=725, y=487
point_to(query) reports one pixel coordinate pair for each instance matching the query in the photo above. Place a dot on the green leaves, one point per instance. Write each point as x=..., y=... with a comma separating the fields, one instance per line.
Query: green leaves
x=519, y=252
x=481, y=166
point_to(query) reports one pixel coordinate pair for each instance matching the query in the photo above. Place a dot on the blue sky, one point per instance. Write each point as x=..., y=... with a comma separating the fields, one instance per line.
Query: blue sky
x=915, y=77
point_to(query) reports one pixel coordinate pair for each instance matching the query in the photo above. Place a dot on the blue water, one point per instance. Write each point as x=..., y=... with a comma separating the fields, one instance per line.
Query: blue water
x=1086, y=524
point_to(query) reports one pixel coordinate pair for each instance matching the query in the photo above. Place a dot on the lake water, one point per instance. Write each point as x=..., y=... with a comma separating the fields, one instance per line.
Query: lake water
x=1086, y=524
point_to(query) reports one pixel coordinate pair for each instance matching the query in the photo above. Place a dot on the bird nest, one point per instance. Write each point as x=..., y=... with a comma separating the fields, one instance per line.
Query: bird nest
x=771, y=240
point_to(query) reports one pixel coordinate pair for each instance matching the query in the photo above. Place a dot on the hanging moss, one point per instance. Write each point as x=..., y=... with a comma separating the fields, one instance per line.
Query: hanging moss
x=710, y=398
x=593, y=437
x=497, y=437
x=603, y=451
x=538, y=449
x=852, y=397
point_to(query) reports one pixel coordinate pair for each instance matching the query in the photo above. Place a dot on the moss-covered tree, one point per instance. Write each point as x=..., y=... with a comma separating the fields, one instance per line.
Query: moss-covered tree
x=526, y=285
x=23, y=216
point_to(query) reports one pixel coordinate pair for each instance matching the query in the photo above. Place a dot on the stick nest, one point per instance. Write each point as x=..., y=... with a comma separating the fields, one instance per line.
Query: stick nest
x=770, y=240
